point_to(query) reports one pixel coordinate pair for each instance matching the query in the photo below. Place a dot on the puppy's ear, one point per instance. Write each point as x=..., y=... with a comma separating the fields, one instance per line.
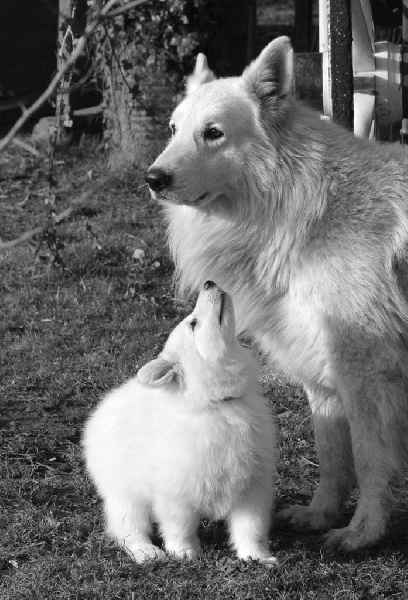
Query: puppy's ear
x=270, y=76
x=158, y=372
x=202, y=74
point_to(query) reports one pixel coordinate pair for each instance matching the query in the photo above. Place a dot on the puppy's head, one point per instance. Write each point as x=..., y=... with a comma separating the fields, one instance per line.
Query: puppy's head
x=202, y=354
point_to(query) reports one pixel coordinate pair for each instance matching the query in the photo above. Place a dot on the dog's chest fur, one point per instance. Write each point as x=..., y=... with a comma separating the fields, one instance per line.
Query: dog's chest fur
x=216, y=452
x=284, y=314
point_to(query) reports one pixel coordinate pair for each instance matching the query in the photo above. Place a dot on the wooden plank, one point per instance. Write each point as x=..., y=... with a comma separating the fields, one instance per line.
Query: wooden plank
x=308, y=85
x=18, y=101
x=324, y=49
x=88, y=111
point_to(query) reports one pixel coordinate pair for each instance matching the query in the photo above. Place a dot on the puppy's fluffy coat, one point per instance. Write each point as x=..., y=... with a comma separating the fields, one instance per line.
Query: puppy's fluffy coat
x=306, y=227
x=189, y=437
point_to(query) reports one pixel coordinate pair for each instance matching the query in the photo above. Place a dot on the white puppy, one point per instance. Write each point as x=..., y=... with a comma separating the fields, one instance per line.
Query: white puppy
x=189, y=437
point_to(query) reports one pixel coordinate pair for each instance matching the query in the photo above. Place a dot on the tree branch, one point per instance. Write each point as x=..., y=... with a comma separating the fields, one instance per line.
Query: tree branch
x=79, y=49
x=28, y=235
x=118, y=11
x=26, y=146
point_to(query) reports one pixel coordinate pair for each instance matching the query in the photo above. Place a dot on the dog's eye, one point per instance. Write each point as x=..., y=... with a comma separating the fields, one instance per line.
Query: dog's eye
x=213, y=133
x=172, y=129
x=193, y=324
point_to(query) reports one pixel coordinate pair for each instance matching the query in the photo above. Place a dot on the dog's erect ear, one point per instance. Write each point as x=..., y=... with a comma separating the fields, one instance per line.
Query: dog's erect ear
x=270, y=76
x=202, y=74
x=158, y=372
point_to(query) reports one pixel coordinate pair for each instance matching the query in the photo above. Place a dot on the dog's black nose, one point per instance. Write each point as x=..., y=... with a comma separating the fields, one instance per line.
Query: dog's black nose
x=209, y=284
x=157, y=179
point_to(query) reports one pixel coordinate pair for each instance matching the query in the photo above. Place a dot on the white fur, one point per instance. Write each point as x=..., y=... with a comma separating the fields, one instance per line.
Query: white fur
x=306, y=226
x=168, y=446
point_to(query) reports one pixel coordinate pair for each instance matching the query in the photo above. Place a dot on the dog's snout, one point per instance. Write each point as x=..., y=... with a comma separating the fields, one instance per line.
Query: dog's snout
x=157, y=179
x=208, y=285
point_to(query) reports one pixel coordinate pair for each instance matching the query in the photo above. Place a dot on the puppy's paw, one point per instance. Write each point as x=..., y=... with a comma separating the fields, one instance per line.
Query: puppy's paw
x=187, y=550
x=184, y=553
x=141, y=553
x=258, y=553
x=270, y=562
x=305, y=518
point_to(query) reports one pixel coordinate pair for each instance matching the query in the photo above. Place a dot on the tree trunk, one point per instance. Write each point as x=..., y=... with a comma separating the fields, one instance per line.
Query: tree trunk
x=132, y=120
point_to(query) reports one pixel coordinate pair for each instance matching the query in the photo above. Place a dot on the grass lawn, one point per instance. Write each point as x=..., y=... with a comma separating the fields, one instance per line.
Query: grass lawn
x=71, y=331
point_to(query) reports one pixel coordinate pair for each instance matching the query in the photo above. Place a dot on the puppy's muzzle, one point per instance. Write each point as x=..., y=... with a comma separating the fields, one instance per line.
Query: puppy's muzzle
x=157, y=179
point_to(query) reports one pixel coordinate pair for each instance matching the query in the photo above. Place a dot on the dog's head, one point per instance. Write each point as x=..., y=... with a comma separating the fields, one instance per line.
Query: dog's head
x=219, y=127
x=202, y=354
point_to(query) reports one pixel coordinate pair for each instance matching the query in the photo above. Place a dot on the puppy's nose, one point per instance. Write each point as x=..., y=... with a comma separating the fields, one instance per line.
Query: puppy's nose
x=157, y=179
x=208, y=285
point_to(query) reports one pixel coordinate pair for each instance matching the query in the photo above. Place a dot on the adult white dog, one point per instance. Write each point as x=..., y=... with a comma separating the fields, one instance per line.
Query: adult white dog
x=189, y=437
x=306, y=227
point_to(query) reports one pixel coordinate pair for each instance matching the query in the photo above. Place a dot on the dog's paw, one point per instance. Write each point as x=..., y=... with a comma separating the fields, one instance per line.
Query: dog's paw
x=269, y=562
x=189, y=549
x=305, y=518
x=260, y=554
x=144, y=552
x=184, y=553
x=347, y=539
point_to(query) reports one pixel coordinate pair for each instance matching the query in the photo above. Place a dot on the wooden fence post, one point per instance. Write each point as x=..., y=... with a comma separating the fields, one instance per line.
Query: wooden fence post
x=404, y=73
x=335, y=44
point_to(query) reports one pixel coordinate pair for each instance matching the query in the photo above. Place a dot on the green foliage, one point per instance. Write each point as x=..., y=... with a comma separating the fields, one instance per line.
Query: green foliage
x=146, y=42
x=141, y=56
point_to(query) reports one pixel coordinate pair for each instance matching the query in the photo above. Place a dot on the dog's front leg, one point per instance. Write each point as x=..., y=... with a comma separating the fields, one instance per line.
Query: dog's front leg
x=372, y=384
x=178, y=523
x=249, y=523
x=128, y=522
x=333, y=446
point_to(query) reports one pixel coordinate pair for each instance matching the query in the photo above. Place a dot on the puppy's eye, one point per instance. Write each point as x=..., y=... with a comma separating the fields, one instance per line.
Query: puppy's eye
x=172, y=129
x=193, y=324
x=213, y=133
